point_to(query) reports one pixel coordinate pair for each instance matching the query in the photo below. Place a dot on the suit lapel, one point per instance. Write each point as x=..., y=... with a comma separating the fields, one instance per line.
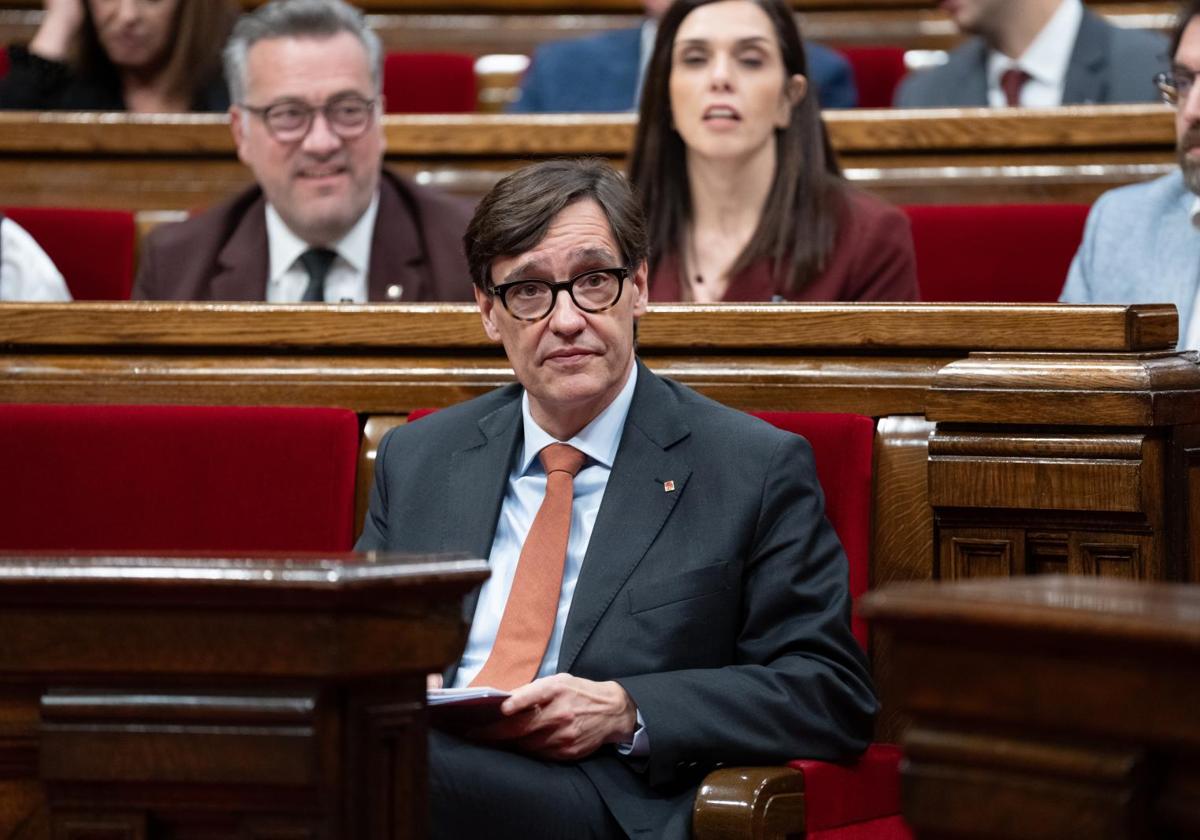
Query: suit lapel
x=245, y=260
x=635, y=507
x=396, y=252
x=476, y=481
x=1085, y=80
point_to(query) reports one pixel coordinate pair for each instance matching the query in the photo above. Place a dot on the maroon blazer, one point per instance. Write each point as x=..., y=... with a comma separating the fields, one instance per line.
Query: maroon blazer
x=222, y=253
x=872, y=259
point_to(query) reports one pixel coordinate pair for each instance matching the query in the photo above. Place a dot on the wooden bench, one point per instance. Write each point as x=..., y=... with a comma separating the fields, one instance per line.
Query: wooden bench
x=1011, y=439
x=972, y=156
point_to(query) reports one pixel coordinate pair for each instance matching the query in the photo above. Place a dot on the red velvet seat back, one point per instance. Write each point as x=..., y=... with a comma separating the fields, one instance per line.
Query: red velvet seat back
x=94, y=249
x=843, y=447
x=1004, y=253
x=429, y=83
x=3, y=62
x=877, y=72
x=159, y=478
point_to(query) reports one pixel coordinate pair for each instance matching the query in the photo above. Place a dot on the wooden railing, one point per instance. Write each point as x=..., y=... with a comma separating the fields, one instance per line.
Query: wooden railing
x=909, y=157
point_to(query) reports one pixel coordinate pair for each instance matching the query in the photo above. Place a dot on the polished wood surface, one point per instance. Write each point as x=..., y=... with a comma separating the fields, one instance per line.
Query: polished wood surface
x=174, y=162
x=1047, y=706
x=249, y=696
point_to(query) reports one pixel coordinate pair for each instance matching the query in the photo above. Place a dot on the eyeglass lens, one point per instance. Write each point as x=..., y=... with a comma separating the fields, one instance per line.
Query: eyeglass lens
x=592, y=291
x=347, y=117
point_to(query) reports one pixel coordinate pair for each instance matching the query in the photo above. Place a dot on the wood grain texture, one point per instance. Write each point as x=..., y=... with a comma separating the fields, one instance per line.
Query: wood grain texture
x=172, y=162
x=674, y=328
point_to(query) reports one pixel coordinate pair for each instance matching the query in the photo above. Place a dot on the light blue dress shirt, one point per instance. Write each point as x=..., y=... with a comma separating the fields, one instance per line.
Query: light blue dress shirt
x=597, y=440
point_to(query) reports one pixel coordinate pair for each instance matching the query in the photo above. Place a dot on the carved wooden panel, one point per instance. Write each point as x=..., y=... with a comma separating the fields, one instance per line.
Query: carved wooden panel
x=967, y=553
x=1110, y=555
x=386, y=742
x=1182, y=492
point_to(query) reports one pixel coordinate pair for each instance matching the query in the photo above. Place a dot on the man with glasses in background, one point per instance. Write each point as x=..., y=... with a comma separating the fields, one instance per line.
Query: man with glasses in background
x=325, y=222
x=665, y=591
x=1142, y=242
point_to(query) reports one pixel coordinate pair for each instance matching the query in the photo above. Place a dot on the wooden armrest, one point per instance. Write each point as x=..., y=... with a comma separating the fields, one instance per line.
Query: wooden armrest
x=764, y=803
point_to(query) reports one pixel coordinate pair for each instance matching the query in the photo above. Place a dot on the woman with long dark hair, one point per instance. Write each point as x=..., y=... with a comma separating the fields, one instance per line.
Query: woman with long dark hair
x=743, y=196
x=148, y=56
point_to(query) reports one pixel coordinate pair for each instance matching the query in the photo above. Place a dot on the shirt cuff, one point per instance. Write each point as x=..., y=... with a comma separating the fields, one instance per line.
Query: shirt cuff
x=639, y=747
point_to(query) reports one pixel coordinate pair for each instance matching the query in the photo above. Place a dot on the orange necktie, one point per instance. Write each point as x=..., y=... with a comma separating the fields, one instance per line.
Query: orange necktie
x=1011, y=82
x=529, y=615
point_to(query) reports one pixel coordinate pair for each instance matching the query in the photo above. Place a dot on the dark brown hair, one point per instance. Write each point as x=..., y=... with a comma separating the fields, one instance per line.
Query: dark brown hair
x=515, y=215
x=1188, y=11
x=799, y=222
x=194, y=58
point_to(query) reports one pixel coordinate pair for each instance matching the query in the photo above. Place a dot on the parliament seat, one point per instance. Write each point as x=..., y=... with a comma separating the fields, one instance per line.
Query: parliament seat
x=96, y=250
x=3, y=62
x=429, y=83
x=877, y=73
x=998, y=253
x=176, y=478
x=818, y=799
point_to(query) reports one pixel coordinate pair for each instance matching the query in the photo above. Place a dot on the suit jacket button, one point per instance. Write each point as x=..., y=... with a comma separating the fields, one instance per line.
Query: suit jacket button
x=394, y=292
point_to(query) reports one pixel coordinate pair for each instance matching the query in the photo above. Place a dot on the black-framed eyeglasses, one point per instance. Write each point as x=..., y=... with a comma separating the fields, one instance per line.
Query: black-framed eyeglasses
x=290, y=120
x=594, y=290
x=1175, y=85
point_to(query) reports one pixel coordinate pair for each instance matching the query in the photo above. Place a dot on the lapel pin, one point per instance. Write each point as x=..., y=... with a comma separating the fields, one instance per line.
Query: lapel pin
x=669, y=486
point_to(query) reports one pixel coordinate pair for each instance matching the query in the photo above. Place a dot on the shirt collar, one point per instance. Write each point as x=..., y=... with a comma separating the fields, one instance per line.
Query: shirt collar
x=285, y=247
x=1045, y=59
x=597, y=440
x=1194, y=212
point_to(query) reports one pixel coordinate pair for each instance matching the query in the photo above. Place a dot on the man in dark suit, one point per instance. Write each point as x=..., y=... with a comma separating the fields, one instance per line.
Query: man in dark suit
x=699, y=614
x=325, y=222
x=1036, y=53
x=603, y=72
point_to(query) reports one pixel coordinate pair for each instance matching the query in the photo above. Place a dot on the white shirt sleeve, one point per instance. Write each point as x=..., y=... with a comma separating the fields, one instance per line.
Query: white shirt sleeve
x=26, y=272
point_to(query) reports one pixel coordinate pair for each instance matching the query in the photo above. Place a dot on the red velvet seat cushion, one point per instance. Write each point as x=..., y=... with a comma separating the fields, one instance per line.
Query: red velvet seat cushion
x=837, y=795
x=160, y=478
x=94, y=249
x=1004, y=253
x=429, y=83
x=877, y=73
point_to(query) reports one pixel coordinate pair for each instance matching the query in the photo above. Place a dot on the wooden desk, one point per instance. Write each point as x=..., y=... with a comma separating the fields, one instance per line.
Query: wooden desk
x=1047, y=707
x=267, y=696
x=909, y=157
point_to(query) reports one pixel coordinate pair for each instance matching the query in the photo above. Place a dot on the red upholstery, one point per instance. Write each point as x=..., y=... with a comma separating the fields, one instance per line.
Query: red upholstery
x=877, y=72
x=1003, y=253
x=885, y=828
x=3, y=62
x=429, y=83
x=94, y=249
x=837, y=795
x=156, y=478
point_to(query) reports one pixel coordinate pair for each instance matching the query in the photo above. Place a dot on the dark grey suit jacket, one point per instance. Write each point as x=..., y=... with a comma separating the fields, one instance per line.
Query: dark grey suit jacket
x=1108, y=64
x=221, y=254
x=722, y=606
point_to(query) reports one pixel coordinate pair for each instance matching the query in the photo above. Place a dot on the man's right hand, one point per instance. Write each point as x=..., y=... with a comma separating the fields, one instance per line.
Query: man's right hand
x=60, y=26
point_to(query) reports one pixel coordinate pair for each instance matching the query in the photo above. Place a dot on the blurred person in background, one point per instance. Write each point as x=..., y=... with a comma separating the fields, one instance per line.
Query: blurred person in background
x=26, y=272
x=325, y=222
x=1037, y=53
x=734, y=169
x=144, y=56
x=604, y=72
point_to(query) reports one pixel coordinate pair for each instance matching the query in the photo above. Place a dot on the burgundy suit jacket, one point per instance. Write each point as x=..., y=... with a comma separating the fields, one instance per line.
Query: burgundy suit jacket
x=873, y=259
x=221, y=254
